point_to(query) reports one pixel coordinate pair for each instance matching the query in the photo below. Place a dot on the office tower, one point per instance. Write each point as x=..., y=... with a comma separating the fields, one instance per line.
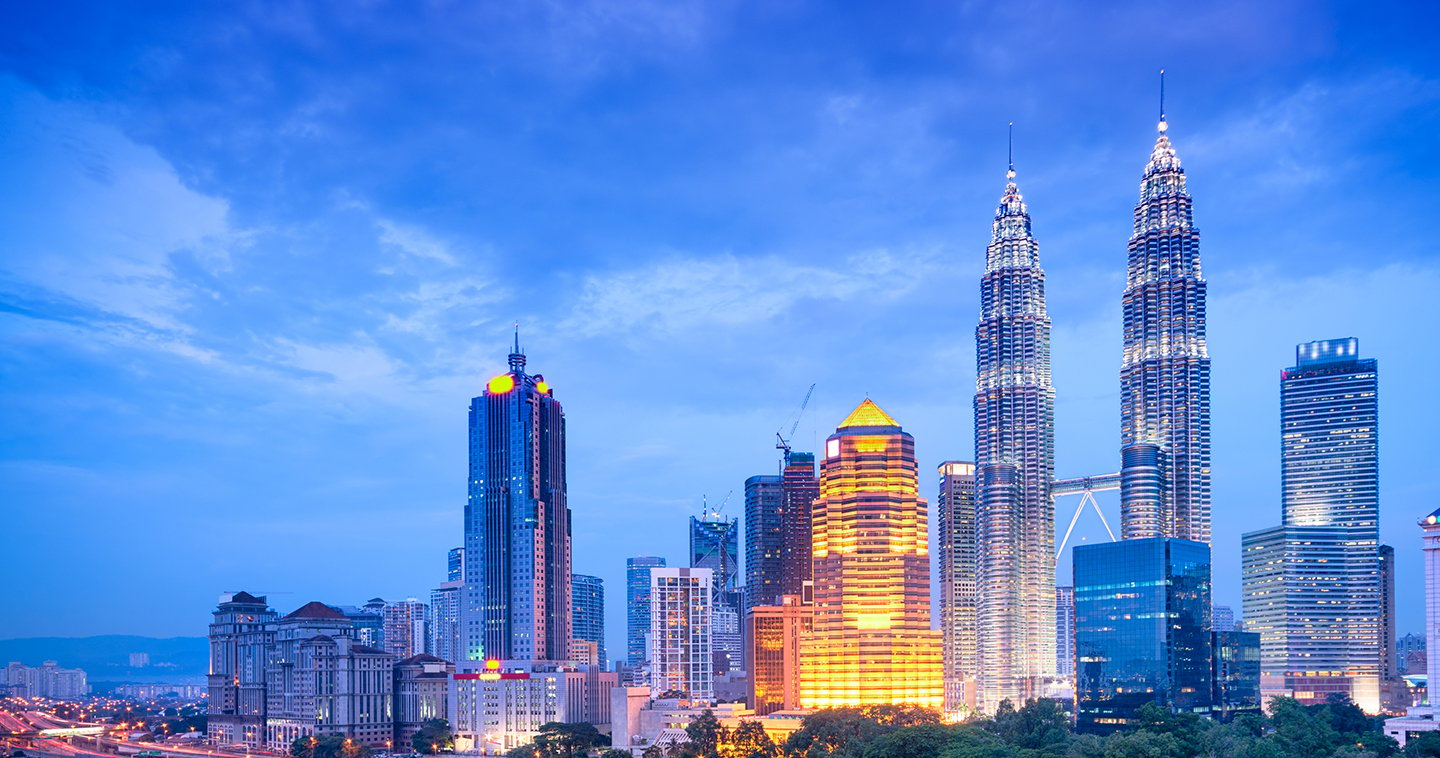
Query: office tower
x=1389, y=668
x=871, y=642
x=1425, y=718
x=1065, y=631
x=772, y=645
x=1165, y=369
x=801, y=487
x=422, y=686
x=405, y=631
x=588, y=596
x=239, y=640
x=1014, y=465
x=955, y=512
x=1222, y=618
x=1142, y=608
x=443, y=621
x=680, y=647
x=320, y=680
x=637, y=610
x=517, y=522
x=1312, y=584
x=715, y=544
x=1235, y=673
x=764, y=538
x=455, y=565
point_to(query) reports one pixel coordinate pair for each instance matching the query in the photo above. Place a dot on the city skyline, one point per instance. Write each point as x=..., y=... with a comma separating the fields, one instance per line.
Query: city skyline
x=332, y=419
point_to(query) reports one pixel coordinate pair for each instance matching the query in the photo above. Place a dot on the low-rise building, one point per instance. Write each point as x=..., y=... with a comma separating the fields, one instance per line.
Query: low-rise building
x=422, y=690
x=497, y=706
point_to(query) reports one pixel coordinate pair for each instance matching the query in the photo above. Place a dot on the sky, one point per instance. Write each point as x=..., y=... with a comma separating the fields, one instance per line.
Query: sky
x=258, y=257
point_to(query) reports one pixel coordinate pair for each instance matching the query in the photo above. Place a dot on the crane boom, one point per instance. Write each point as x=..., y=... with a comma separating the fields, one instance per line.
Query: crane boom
x=783, y=441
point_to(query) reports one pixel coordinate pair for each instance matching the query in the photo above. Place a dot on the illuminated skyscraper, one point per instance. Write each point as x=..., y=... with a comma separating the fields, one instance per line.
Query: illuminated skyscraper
x=800, y=487
x=637, y=609
x=517, y=522
x=1165, y=369
x=764, y=538
x=715, y=544
x=1014, y=465
x=1312, y=586
x=955, y=511
x=681, y=614
x=872, y=641
x=587, y=596
x=772, y=639
x=1065, y=631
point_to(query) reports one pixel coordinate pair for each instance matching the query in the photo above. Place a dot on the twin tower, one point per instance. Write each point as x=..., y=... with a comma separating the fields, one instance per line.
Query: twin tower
x=1164, y=479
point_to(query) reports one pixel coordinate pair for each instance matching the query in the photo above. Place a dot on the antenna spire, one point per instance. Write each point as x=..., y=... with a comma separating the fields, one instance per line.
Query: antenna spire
x=1163, y=126
x=517, y=358
x=1010, y=174
x=517, y=336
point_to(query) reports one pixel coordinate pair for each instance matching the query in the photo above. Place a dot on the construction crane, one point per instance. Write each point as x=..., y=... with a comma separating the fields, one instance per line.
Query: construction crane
x=783, y=441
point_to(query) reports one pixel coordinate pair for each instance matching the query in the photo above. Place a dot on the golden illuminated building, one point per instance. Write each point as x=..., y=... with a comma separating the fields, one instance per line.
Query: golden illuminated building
x=773, y=635
x=871, y=642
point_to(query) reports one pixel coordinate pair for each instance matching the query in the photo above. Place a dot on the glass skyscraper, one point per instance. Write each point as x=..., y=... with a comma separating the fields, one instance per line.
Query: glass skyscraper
x=517, y=522
x=801, y=487
x=715, y=544
x=1165, y=368
x=587, y=594
x=1142, y=611
x=455, y=565
x=871, y=642
x=637, y=608
x=1312, y=585
x=955, y=533
x=764, y=538
x=1014, y=465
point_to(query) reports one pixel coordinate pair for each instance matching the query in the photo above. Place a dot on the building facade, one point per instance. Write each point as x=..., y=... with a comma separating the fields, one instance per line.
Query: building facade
x=772, y=640
x=681, y=656
x=443, y=620
x=1165, y=367
x=1235, y=673
x=637, y=614
x=405, y=631
x=48, y=680
x=871, y=641
x=764, y=538
x=517, y=522
x=1312, y=585
x=497, y=706
x=240, y=639
x=801, y=486
x=1425, y=718
x=955, y=535
x=587, y=595
x=1142, y=635
x=455, y=565
x=1014, y=465
x=1065, y=632
x=422, y=690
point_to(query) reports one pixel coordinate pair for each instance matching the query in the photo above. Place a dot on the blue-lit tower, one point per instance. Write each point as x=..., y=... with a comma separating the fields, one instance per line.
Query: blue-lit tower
x=517, y=522
x=1014, y=464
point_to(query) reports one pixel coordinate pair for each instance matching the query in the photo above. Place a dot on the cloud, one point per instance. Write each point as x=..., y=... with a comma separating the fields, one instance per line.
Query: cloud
x=414, y=241
x=681, y=294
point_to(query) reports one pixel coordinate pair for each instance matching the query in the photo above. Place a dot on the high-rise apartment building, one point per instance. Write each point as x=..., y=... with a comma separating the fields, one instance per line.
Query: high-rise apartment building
x=1014, y=465
x=637, y=612
x=517, y=522
x=772, y=645
x=588, y=597
x=871, y=641
x=240, y=639
x=1065, y=632
x=955, y=534
x=1142, y=609
x=1165, y=367
x=681, y=653
x=455, y=565
x=764, y=538
x=443, y=621
x=405, y=630
x=1312, y=586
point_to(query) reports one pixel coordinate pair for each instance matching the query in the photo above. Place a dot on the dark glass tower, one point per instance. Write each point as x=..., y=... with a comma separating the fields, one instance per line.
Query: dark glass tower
x=1014, y=465
x=517, y=522
x=637, y=609
x=801, y=486
x=764, y=539
x=1165, y=370
x=1142, y=612
x=588, y=595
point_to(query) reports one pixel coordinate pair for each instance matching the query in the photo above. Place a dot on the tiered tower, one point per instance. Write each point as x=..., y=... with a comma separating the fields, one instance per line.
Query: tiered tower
x=1014, y=465
x=1165, y=372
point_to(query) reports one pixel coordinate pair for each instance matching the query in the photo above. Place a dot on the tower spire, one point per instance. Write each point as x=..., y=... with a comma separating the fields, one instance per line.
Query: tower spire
x=517, y=358
x=1010, y=174
x=1163, y=126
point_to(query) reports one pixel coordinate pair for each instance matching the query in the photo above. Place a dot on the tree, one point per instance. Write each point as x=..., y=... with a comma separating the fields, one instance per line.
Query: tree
x=434, y=735
x=328, y=746
x=1145, y=744
x=523, y=751
x=924, y=739
x=556, y=739
x=748, y=740
x=706, y=734
x=1424, y=745
x=1039, y=725
x=615, y=752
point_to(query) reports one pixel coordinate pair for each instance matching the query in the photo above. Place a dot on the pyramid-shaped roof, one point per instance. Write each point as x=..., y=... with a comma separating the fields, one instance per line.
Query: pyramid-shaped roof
x=315, y=610
x=868, y=414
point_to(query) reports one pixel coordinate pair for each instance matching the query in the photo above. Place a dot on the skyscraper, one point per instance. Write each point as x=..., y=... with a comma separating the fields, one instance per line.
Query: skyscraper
x=405, y=630
x=772, y=638
x=1141, y=636
x=1427, y=717
x=240, y=637
x=1065, y=631
x=517, y=522
x=1312, y=585
x=637, y=608
x=1165, y=368
x=680, y=648
x=955, y=512
x=715, y=544
x=455, y=565
x=871, y=641
x=588, y=596
x=443, y=621
x=801, y=487
x=764, y=538
x=1014, y=464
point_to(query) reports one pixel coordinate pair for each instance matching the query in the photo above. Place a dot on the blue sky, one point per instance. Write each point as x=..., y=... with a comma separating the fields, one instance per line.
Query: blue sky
x=259, y=256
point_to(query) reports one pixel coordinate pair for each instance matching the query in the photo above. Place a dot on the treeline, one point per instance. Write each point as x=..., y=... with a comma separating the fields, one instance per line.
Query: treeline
x=1041, y=729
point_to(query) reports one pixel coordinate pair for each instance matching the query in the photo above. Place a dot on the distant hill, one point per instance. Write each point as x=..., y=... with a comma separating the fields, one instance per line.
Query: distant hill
x=176, y=660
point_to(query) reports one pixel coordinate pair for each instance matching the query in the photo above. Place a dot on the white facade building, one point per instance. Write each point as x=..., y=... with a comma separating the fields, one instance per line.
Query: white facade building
x=1426, y=718
x=681, y=648
x=497, y=706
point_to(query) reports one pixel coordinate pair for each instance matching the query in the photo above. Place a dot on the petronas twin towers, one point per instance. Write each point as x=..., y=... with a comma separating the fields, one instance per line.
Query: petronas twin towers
x=1165, y=424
